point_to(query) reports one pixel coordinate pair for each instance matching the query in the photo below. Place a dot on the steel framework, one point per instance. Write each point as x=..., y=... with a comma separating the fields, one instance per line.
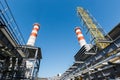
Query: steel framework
x=17, y=60
x=93, y=27
x=92, y=64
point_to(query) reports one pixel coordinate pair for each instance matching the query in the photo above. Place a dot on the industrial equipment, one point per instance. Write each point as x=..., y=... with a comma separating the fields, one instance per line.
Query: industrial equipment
x=102, y=60
x=18, y=61
x=93, y=27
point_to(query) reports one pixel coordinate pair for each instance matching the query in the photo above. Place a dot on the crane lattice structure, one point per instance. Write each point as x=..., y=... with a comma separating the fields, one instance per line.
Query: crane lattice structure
x=93, y=27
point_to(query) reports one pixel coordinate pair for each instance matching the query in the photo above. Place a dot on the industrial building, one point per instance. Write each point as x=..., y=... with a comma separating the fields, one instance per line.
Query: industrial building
x=99, y=60
x=18, y=60
x=42, y=79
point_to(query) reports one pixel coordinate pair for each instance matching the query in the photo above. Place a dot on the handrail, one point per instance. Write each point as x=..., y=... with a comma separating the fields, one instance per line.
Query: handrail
x=10, y=23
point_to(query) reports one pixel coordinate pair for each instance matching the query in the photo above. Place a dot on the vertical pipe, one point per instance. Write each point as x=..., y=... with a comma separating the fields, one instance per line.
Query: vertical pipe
x=33, y=36
x=80, y=36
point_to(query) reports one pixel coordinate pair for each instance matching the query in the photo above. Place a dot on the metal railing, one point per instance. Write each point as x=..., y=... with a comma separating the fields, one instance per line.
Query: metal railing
x=10, y=23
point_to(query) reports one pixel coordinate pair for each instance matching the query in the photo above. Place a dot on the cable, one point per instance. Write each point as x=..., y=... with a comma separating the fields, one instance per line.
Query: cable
x=15, y=21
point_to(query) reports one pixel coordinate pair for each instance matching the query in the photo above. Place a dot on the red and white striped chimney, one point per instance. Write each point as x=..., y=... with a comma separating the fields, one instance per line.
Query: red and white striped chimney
x=80, y=36
x=33, y=35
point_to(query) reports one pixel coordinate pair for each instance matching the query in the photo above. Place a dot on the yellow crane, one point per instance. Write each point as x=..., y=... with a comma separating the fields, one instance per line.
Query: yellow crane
x=93, y=28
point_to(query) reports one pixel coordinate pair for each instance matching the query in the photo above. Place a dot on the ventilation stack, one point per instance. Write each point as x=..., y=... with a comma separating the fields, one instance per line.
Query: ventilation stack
x=33, y=36
x=34, y=55
x=80, y=36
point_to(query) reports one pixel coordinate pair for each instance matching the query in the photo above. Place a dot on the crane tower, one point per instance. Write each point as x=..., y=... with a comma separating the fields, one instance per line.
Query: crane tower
x=93, y=28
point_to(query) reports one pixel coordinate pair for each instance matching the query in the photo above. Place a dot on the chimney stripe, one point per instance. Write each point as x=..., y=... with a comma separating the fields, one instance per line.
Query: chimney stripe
x=33, y=35
x=36, y=29
x=78, y=33
x=80, y=36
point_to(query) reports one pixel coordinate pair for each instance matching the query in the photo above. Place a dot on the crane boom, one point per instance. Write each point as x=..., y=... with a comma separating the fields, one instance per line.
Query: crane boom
x=93, y=28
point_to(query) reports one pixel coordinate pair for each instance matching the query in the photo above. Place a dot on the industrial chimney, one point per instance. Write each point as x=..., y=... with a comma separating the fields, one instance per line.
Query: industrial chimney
x=80, y=36
x=33, y=35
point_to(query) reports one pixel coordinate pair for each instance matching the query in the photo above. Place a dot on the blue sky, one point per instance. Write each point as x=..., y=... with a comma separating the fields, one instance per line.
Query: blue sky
x=58, y=19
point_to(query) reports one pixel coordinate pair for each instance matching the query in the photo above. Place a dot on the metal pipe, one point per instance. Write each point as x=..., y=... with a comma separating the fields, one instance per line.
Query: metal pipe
x=106, y=60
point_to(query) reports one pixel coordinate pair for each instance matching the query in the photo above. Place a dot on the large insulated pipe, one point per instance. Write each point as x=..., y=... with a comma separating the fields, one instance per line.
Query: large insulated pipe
x=80, y=36
x=33, y=35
